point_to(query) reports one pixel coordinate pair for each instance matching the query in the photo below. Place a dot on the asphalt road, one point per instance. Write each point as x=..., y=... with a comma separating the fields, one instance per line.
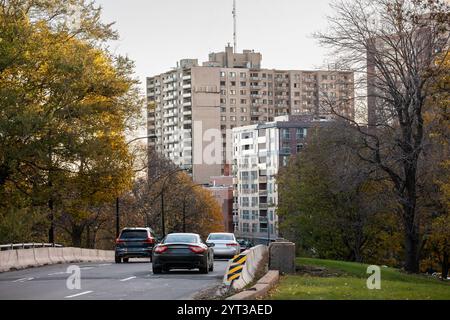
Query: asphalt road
x=101, y=281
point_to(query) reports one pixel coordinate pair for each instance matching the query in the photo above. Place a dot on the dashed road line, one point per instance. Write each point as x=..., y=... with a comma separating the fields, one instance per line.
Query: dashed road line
x=78, y=294
x=126, y=279
x=23, y=279
x=57, y=273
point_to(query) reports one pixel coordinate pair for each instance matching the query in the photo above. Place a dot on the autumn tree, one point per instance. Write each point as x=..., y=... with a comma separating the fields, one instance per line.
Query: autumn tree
x=332, y=205
x=393, y=46
x=65, y=105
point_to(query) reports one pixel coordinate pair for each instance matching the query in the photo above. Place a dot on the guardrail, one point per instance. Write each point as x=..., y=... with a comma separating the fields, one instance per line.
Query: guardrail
x=16, y=246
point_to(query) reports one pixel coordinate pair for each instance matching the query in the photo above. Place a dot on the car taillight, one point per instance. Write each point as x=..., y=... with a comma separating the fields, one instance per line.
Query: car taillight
x=232, y=244
x=161, y=249
x=149, y=240
x=119, y=241
x=196, y=249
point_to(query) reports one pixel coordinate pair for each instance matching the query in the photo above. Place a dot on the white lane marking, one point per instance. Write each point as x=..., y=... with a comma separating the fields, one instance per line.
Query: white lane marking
x=86, y=268
x=104, y=264
x=126, y=279
x=56, y=273
x=78, y=294
x=23, y=279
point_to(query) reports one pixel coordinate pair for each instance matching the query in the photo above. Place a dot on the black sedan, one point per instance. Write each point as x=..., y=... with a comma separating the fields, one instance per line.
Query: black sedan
x=183, y=251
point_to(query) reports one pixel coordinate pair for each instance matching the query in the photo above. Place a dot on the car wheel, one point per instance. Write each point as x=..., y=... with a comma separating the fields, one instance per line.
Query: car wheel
x=118, y=260
x=151, y=259
x=211, y=267
x=157, y=270
x=126, y=260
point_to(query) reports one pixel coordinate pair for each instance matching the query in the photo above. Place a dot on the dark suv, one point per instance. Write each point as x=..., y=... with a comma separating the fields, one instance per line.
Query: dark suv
x=135, y=243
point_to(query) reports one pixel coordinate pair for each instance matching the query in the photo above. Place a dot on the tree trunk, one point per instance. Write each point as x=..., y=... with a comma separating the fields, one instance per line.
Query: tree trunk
x=411, y=250
x=76, y=235
x=445, y=265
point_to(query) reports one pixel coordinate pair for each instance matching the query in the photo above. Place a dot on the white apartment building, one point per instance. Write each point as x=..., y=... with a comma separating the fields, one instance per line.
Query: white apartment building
x=259, y=151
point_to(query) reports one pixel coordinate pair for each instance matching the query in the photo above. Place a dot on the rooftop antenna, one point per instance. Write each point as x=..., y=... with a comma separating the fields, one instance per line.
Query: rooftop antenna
x=234, y=26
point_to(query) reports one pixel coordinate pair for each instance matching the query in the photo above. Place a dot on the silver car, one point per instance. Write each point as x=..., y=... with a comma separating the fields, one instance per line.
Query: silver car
x=225, y=244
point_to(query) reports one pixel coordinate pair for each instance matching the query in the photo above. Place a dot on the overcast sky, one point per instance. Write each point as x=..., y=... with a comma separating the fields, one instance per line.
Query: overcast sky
x=158, y=33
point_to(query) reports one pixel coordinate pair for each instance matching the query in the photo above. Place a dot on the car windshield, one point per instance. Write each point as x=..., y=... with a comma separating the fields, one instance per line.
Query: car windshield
x=220, y=236
x=133, y=234
x=181, y=238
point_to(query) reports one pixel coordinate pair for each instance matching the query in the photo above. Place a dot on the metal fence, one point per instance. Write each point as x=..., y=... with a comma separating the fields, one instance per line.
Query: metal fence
x=16, y=246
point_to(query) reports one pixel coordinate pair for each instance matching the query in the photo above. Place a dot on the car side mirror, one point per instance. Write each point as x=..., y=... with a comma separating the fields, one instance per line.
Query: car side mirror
x=210, y=244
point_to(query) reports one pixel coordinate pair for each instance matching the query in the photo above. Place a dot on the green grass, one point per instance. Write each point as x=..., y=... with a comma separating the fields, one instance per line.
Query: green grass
x=351, y=284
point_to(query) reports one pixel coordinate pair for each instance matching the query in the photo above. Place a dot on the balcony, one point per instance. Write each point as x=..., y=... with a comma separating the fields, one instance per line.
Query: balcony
x=169, y=80
x=187, y=77
x=263, y=193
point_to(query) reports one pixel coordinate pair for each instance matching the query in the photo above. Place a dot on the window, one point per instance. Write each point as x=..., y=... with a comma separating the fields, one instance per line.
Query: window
x=301, y=133
x=285, y=134
x=245, y=201
x=243, y=110
x=243, y=84
x=222, y=74
x=245, y=227
x=247, y=135
x=245, y=214
x=233, y=101
x=243, y=118
x=232, y=118
x=223, y=83
x=223, y=118
x=233, y=83
x=299, y=147
x=233, y=74
x=233, y=92
x=243, y=92
x=223, y=100
x=232, y=110
x=243, y=75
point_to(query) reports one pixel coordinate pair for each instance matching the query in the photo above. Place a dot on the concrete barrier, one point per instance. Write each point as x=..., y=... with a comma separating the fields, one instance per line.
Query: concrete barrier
x=8, y=259
x=260, y=289
x=255, y=256
x=25, y=258
x=41, y=255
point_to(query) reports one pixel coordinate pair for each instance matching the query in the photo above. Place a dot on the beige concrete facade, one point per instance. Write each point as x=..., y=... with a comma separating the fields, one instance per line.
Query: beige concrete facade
x=192, y=108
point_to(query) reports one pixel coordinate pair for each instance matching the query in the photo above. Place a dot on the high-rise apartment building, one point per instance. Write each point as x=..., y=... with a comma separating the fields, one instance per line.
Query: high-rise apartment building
x=193, y=108
x=259, y=152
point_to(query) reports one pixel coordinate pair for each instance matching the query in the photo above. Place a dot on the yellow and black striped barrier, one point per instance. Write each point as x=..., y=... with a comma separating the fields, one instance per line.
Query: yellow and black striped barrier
x=236, y=266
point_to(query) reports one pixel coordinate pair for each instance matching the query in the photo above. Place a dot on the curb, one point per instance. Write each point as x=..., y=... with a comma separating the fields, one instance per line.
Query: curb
x=260, y=289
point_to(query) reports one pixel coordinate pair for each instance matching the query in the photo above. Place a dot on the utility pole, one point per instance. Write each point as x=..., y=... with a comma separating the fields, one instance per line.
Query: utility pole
x=117, y=218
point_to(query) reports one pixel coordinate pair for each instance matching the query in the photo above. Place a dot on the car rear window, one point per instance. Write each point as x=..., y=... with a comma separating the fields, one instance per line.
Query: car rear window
x=221, y=237
x=133, y=234
x=181, y=238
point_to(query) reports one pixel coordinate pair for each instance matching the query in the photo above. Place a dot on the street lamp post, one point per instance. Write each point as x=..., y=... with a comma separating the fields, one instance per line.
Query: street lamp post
x=117, y=198
x=184, y=204
x=163, y=222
